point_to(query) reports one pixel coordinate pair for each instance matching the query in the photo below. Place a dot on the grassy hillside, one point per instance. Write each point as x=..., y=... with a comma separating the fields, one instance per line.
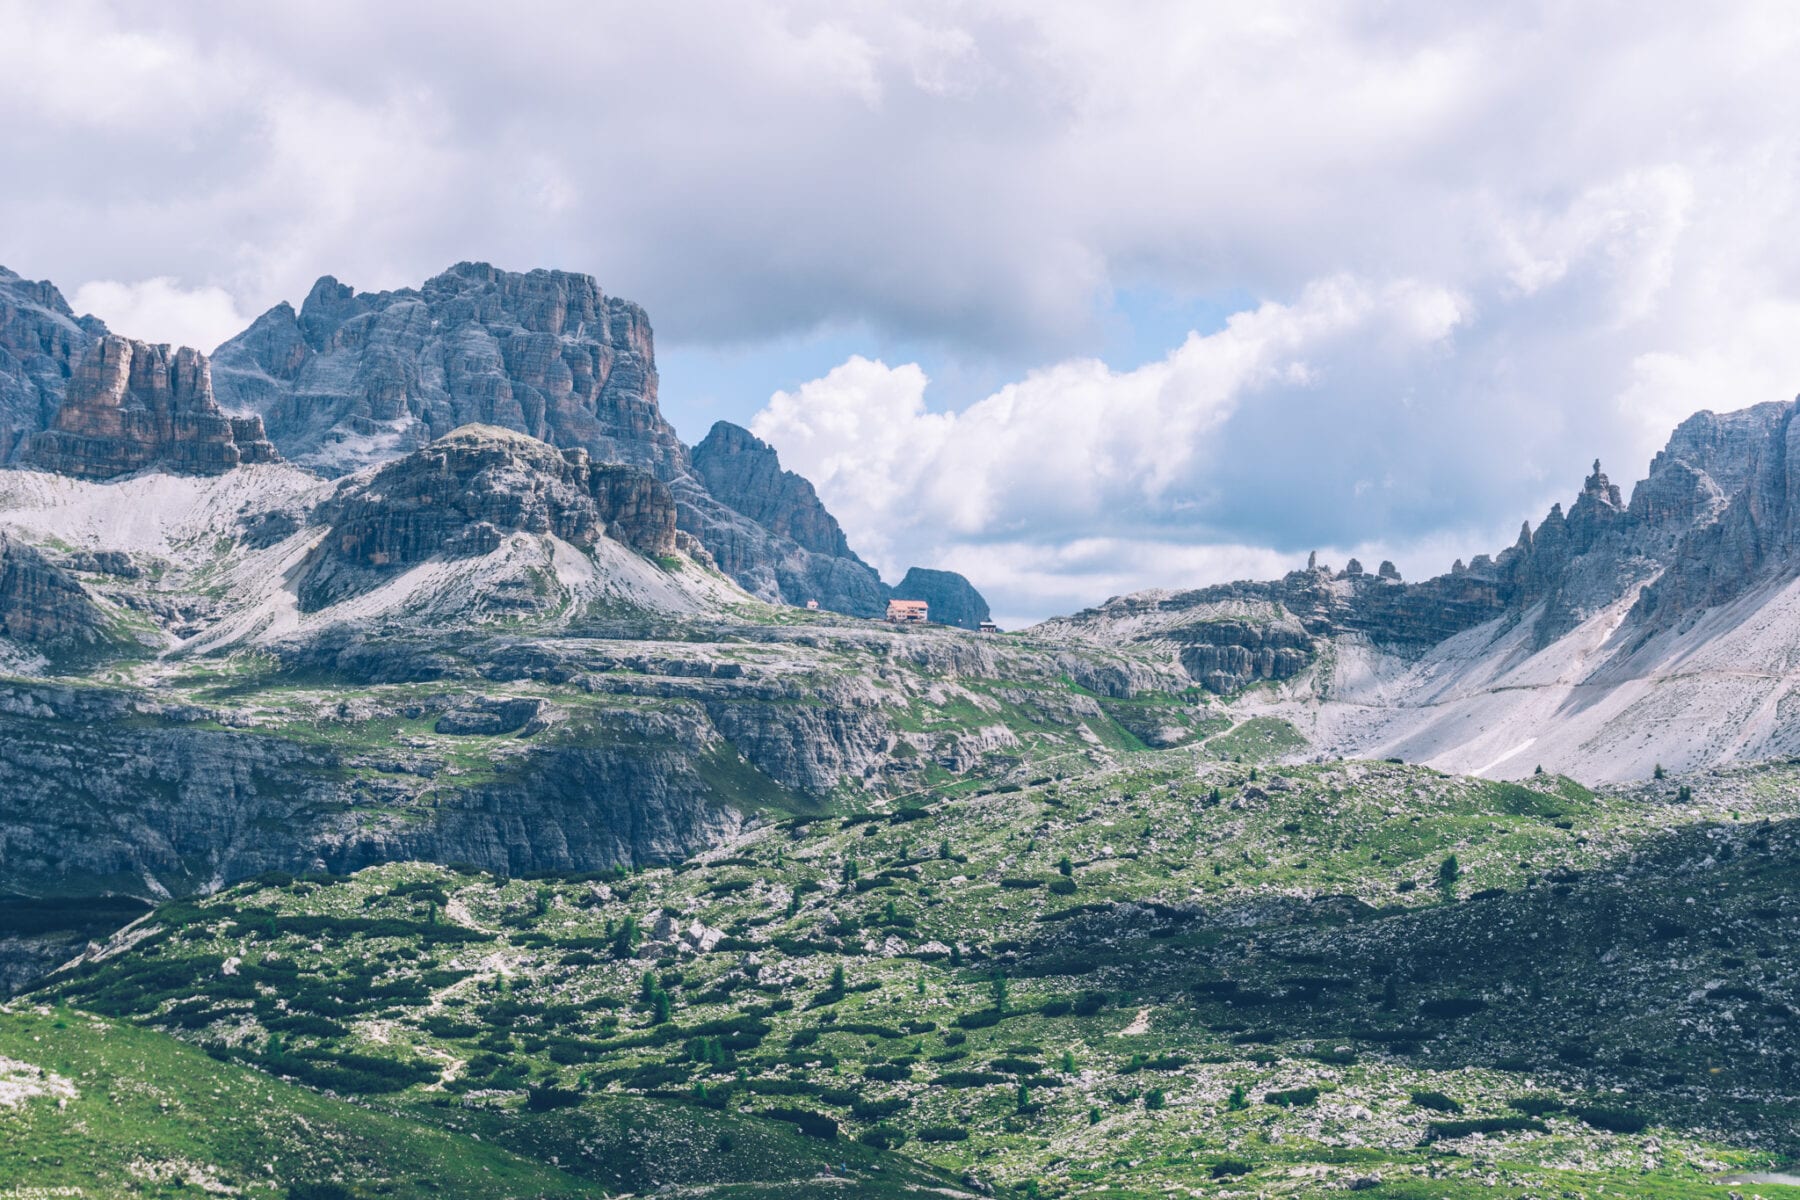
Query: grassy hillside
x=1176, y=972
x=115, y=1110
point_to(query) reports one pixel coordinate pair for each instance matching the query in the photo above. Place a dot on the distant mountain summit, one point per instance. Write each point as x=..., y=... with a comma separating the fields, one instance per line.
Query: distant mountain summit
x=358, y=379
x=1611, y=638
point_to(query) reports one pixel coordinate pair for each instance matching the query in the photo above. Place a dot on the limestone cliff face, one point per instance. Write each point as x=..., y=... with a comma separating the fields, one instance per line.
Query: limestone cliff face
x=744, y=472
x=770, y=531
x=161, y=797
x=131, y=405
x=1745, y=469
x=355, y=378
x=462, y=495
x=41, y=341
x=42, y=605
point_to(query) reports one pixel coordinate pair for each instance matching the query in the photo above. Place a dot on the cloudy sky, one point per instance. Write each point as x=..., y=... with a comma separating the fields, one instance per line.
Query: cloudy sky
x=1073, y=298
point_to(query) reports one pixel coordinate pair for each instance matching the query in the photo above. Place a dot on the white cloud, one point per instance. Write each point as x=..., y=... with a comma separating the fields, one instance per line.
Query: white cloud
x=1588, y=210
x=1059, y=462
x=161, y=310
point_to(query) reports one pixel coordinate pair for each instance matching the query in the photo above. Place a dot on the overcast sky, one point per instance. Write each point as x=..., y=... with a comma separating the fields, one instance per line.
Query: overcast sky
x=1075, y=299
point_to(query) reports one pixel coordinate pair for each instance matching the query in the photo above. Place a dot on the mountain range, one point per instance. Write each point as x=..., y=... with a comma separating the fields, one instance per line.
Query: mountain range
x=356, y=379
x=422, y=774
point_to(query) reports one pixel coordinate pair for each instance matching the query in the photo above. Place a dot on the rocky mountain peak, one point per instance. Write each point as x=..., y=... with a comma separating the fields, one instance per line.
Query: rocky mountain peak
x=131, y=405
x=351, y=380
x=744, y=472
x=41, y=340
x=356, y=378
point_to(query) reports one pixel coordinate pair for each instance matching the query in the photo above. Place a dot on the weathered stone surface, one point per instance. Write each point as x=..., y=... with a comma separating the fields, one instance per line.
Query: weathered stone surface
x=43, y=605
x=767, y=529
x=356, y=378
x=162, y=798
x=480, y=715
x=462, y=495
x=1223, y=656
x=131, y=405
x=41, y=341
x=953, y=599
x=1733, y=485
x=743, y=471
x=773, y=567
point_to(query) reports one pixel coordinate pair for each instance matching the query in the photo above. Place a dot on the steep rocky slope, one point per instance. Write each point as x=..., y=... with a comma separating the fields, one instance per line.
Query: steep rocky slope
x=130, y=405
x=742, y=471
x=355, y=379
x=1608, y=640
x=489, y=650
x=41, y=340
x=463, y=495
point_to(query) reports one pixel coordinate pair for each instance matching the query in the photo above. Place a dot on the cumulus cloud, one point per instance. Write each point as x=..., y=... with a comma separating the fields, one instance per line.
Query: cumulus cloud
x=1075, y=462
x=1076, y=443
x=161, y=310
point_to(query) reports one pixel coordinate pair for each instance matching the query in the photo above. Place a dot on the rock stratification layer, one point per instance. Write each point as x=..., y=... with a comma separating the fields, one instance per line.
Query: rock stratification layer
x=132, y=405
x=462, y=495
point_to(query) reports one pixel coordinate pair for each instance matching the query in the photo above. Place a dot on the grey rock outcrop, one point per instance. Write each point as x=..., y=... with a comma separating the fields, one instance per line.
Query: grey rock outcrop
x=1734, y=492
x=1224, y=656
x=1715, y=518
x=132, y=405
x=41, y=341
x=772, y=566
x=42, y=605
x=163, y=798
x=953, y=600
x=355, y=378
x=462, y=495
x=743, y=472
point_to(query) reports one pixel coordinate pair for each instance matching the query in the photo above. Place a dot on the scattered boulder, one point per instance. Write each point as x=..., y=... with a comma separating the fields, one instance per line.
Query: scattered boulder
x=491, y=717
